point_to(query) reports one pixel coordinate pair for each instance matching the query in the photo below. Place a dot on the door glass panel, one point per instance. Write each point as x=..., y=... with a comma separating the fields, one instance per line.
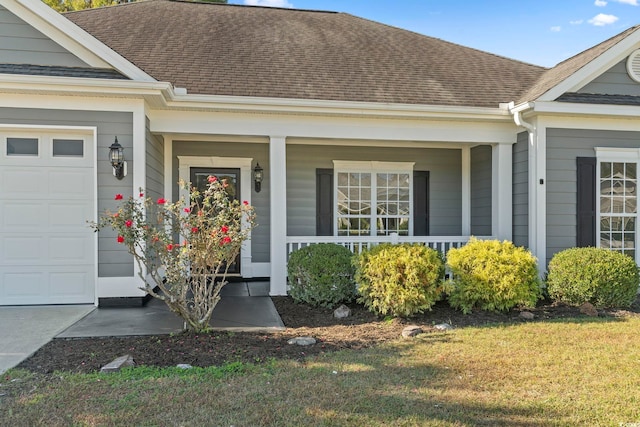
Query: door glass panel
x=68, y=148
x=22, y=146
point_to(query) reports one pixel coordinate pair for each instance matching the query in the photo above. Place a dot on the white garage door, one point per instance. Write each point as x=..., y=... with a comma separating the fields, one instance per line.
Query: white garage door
x=47, y=252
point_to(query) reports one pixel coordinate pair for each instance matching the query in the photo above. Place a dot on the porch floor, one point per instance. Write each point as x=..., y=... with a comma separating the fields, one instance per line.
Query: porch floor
x=245, y=306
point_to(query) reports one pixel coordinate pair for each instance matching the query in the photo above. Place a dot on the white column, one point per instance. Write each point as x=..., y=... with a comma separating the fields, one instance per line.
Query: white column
x=501, y=191
x=278, y=214
x=169, y=179
x=466, y=191
x=538, y=198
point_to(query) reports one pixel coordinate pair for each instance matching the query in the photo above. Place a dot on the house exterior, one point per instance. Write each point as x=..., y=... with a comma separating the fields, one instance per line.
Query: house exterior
x=366, y=133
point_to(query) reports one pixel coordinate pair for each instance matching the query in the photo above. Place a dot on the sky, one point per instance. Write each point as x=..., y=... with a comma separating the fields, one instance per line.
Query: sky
x=541, y=32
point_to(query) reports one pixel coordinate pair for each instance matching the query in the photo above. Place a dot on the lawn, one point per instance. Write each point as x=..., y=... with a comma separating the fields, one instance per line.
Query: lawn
x=582, y=371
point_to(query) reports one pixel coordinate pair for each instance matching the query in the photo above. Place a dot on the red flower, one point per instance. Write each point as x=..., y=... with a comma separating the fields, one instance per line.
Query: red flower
x=226, y=240
x=169, y=247
x=246, y=203
x=141, y=194
x=224, y=229
x=187, y=210
x=161, y=201
x=120, y=239
x=118, y=196
x=194, y=229
x=212, y=178
x=116, y=215
x=128, y=223
x=155, y=239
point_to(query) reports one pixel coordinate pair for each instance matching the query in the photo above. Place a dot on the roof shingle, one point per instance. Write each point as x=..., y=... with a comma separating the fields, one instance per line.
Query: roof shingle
x=286, y=53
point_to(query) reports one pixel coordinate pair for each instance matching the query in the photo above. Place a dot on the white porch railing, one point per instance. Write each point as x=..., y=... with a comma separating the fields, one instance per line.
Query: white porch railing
x=357, y=243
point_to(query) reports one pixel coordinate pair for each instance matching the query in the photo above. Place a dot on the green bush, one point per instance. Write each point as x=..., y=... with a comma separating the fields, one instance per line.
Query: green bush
x=321, y=275
x=399, y=280
x=602, y=277
x=492, y=275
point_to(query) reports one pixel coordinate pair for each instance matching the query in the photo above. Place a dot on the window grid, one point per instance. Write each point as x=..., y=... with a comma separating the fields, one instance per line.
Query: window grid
x=618, y=206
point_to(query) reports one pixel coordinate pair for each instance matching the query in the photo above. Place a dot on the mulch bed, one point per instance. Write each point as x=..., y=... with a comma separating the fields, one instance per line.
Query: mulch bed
x=362, y=329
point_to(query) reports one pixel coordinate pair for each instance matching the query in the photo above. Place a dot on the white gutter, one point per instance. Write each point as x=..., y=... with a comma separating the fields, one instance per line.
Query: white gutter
x=517, y=115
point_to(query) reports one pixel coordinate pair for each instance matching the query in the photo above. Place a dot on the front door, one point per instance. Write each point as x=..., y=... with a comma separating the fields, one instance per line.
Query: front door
x=198, y=178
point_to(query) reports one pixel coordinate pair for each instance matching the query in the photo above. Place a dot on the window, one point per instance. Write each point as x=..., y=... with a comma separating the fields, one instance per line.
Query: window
x=617, y=202
x=68, y=148
x=373, y=198
x=22, y=146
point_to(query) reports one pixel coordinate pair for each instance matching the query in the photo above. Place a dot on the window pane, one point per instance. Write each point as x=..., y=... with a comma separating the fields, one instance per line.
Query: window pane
x=605, y=204
x=630, y=188
x=630, y=205
x=617, y=187
x=605, y=224
x=343, y=179
x=68, y=148
x=606, y=188
x=22, y=146
x=354, y=180
x=617, y=204
x=631, y=171
x=630, y=224
x=629, y=240
x=617, y=170
x=605, y=170
x=403, y=208
x=365, y=179
x=616, y=240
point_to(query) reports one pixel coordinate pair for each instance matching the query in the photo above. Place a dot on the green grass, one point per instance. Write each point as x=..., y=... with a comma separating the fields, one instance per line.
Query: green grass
x=582, y=372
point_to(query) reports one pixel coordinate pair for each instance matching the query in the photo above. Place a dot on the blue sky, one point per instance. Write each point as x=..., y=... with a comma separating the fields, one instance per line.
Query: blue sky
x=542, y=32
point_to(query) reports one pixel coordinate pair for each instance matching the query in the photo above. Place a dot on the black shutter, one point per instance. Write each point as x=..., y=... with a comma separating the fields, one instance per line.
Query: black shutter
x=324, y=202
x=586, y=201
x=420, y=203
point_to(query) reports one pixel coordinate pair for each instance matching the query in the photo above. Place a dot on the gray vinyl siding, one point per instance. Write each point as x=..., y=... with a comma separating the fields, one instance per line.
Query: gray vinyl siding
x=615, y=81
x=155, y=164
x=260, y=201
x=521, y=190
x=20, y=43
x=563, y=147
x=113, y=259
x=445, y=182
x=481, y=190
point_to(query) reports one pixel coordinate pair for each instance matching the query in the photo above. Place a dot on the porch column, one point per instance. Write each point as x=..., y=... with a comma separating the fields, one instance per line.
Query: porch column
x=278, y=204
x=502, y=192
x=466, y=191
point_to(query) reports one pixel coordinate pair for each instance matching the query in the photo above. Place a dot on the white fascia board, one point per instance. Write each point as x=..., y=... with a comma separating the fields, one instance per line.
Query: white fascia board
x=606, y=110
x=324, y=107
x=72, y=37
x=594, y=68
x=53, y=84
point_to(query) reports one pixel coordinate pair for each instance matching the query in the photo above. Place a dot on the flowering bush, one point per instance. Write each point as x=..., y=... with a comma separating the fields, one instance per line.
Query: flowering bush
x=185, y=251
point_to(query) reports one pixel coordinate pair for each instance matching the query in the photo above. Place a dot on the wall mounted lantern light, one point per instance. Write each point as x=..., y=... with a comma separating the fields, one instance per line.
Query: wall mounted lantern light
x=257, y=177
x=116, y=157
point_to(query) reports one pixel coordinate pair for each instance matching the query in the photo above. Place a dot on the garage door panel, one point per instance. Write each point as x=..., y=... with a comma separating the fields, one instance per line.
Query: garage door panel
x=23, y=249
x=24, y=285
x=70, y=215
x=70, y=250
x=25, y=214
x=25, y=182
x=69, y=184
x=69, y=284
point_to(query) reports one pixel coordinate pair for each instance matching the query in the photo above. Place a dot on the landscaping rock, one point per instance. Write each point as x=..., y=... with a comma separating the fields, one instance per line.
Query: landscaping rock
x=342, y=312
x=303, y=341
x=411, y=331
x=588, y=309
x=527, y=315
x=443, y=327
x=117, y=364
x=183, y=366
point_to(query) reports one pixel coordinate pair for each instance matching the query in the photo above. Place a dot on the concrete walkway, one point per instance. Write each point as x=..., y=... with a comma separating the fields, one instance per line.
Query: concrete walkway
x=244, y=306
x=26, y=329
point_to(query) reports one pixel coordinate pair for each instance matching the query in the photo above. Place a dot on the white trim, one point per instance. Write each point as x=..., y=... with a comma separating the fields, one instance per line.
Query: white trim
x=278, y=209
x=538, y=200
x=185, y=163
x=168, y=168
x=502, y=191
x=466, y=191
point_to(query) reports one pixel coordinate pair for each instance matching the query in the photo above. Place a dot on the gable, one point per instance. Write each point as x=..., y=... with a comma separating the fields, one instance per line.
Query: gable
x=614, y=81
x=20, y=43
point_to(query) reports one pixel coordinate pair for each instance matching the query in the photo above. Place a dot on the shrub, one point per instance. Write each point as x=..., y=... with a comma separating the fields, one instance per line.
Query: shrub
x=492, y=275
x=399, y=280
x=321, y=275
x=602, y=277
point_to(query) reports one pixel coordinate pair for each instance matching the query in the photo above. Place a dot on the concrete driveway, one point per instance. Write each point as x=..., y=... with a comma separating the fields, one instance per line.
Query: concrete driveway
x=27, y=328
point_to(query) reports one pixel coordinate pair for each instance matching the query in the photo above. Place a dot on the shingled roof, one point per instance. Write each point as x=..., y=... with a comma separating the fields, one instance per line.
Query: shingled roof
x=237, y=50
x=566, y=68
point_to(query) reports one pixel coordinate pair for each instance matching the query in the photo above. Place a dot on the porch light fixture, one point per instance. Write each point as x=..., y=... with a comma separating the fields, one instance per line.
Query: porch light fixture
x=116, y=157
x=257, y=177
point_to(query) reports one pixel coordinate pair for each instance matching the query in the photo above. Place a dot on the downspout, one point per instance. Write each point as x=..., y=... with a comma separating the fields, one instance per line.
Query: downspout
x=533, y=176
